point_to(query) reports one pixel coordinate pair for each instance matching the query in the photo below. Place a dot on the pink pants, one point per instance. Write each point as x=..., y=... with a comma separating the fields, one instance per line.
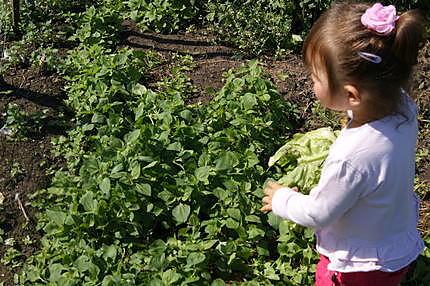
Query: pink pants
x=325, y=277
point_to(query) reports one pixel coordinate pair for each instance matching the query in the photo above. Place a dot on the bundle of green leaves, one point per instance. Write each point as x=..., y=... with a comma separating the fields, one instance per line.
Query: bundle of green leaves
x=300, y=160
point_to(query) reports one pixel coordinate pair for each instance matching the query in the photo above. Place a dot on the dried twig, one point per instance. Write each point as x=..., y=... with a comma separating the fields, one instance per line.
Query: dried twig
x=21, y=206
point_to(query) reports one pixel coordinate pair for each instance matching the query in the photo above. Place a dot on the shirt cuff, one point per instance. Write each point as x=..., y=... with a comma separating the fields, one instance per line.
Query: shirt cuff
x=279, y=201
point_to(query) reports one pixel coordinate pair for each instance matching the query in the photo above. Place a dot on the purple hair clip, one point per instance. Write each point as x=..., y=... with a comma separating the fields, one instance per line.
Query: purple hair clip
x=370, y=57
x=381, y=19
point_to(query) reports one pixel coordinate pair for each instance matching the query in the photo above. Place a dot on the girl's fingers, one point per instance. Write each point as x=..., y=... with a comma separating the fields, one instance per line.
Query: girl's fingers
x=266, y=208
x=270, y=189
x=272, y=185
x=266, y=200
x=267, y=190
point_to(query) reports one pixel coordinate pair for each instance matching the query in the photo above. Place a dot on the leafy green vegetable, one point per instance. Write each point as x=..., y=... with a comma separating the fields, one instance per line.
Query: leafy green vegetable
x=301, y=158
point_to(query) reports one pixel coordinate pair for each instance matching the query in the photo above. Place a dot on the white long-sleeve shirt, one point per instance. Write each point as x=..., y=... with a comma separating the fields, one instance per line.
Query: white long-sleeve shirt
x=364, y=209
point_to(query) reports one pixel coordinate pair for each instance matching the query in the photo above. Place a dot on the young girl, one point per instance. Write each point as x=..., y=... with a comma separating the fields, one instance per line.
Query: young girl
x=363, y=209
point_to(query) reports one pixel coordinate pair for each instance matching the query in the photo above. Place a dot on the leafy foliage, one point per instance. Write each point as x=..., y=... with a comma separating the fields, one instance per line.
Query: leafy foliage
x=163, y=16
x=300, y=159
x=100, y=25
x=254, y=26
x=159, y=192
x=5, y=20
x=20, y=125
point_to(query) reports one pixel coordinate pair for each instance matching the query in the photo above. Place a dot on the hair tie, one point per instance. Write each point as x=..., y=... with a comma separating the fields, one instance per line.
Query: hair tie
x=370, y=57
x=381, y=19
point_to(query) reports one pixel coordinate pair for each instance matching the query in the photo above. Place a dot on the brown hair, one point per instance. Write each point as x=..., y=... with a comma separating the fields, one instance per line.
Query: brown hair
x=338, y=35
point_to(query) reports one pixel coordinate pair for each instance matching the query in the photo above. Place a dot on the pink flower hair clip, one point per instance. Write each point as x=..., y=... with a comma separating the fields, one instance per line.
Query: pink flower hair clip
x=381, y=19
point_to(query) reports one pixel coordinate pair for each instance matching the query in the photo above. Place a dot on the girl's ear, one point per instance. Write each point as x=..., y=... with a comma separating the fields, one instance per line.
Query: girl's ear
x=353, y=95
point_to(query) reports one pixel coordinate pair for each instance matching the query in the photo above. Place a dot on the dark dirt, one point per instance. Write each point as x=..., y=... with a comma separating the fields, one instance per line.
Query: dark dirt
x=199, y=45
x=421, y=85
x=33, y=91
x=24, y=163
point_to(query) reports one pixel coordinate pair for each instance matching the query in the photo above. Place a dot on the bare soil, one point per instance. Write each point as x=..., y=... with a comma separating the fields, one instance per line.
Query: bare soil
x=24, y=163
x=33, y=91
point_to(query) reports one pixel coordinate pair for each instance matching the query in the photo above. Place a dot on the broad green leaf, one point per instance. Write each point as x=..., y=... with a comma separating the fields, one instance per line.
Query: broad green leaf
x=57, y=217
x=195, y=258
x=98, y=118
x=166, y=196
x=90, y=165
x=135, y=170
x=55, y=271
x=176, y=146
x=109, y=252
x=156, y=282
x=221, y=194
x=132, y=136
x=202, y=173
x=181, y=212
x=139, y=89
x=150, y=165
x=158, y=261
x=105, y=185
x=249, y=100
x=140, y=111
x=208, y=244
x=144, y=189
x=274, y=220
x=119, y=167
x=186, y=114
x=254, y=232
x=227, y=160
x=234, y=213
x=270, y=273
x=88, y=202
x=82, y=263
x=284, y=227
x=69, y=220
x=87, y=127
x=263, y=251
x=253, y=218
x=170, y=276
x=231, y=223
x=157, y=247
x=218, y=282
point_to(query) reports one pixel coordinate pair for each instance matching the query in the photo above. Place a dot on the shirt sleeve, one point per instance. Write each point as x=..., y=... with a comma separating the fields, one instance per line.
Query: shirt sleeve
x=339, y=188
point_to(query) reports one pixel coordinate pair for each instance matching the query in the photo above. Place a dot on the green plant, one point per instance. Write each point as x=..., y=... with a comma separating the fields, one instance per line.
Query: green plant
x=300, y=160
x=99, y=25
x=163, y=16
x=5, y=20
x=14, y=55
x=20, y=125
x=46, y=60
x=254, y=26
x=16, y=170
x=15, y=120
x=184, y=181
x=12, y=255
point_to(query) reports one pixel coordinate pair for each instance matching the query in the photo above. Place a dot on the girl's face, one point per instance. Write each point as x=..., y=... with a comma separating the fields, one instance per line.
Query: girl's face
x=328, y=100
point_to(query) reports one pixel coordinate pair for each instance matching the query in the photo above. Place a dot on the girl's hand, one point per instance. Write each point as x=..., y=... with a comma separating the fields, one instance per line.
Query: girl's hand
x=269, y=191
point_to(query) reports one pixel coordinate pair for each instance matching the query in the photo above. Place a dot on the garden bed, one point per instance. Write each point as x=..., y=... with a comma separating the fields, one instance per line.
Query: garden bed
x=25, y=164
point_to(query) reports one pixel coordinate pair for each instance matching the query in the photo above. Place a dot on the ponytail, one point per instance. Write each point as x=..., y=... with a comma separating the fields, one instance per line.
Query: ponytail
x=409, y=36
